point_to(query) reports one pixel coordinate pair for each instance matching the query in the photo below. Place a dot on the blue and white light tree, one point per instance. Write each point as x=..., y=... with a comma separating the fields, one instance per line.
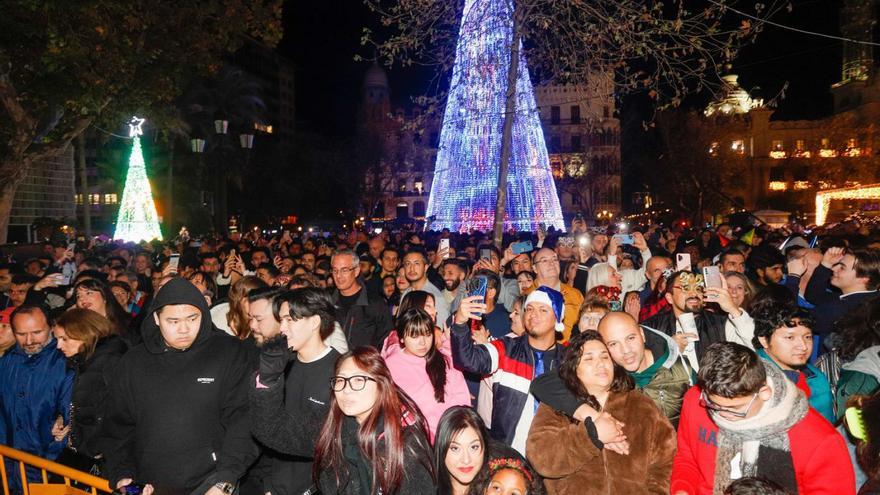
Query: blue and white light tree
x=472, y=139
x=663, y=50
x=137, y=219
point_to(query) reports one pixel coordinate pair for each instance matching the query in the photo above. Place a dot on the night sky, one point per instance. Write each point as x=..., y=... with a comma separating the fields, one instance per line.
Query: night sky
x=323, y=38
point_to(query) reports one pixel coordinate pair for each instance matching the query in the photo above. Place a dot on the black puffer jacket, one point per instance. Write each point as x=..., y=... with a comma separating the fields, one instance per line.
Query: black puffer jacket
x=179, y=418
x=91, y=393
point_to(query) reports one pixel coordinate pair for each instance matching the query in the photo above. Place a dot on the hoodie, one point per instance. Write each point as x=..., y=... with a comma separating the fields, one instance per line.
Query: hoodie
x=179, y=418
x=861, y=376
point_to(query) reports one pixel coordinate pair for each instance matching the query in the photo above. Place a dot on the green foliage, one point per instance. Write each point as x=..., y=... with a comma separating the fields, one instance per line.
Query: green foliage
x=104, y=60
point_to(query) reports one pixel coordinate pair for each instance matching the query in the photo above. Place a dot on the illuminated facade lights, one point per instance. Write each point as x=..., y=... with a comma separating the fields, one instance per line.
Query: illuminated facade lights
x=463, y=193
x=800, y=185
x=137, y=220
x=777, y=185
x=824, y=198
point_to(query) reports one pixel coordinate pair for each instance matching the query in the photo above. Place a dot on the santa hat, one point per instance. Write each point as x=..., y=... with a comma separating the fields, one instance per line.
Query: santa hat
x=6, y=316
x=552, y=298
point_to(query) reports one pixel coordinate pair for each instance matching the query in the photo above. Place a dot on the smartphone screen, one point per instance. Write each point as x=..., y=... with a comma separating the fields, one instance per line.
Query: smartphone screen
x=477, y=286
x=486, y=254
x=521, y=247
x=173, y=261
x=682, y=262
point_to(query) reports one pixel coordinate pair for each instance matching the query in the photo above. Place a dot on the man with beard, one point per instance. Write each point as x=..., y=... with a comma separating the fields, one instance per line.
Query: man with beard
x=685, y=295
x=415, y=264
x=35, y=391
x=547, y=269
x=651, y=359
x=454, y=272
x=765, y=263
x=291, y=397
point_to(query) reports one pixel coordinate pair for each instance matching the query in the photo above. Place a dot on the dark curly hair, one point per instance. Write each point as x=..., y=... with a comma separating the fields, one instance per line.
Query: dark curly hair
x=622, y=382
x=770, y=317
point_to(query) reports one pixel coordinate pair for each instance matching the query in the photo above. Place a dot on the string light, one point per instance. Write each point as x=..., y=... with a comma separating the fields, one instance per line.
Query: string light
x=463, y=193
x=137, y=220
x=824, y=198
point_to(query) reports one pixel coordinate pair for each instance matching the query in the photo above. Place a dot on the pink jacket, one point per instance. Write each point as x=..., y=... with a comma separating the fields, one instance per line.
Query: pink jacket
x=409, y=374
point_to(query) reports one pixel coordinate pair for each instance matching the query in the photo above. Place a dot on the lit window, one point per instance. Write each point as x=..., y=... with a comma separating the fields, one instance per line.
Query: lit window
x=78, y=198
x=826, y=151
x=777, y=145
x=110, y=199
x=263, y=128
x=418, y=186
x=738, y=146
x=800, y=185
x=852, y=148
x=799, y=151
x=94, y=199
x=799, y=145
x=778, y=185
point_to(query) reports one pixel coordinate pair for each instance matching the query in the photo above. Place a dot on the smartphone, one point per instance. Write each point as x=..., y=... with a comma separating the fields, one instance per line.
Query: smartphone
x=522, y=247
x=173, y=261
x=625, y=238
x=71, y=246
x=583, y=240
x=682, y=262
x=444, y=244
x=132, y=489
x=712, y=278
x=486, y=254
x=477, y=286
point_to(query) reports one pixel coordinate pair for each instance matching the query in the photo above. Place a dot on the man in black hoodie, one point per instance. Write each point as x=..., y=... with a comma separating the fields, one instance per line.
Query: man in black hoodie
x=179, y=416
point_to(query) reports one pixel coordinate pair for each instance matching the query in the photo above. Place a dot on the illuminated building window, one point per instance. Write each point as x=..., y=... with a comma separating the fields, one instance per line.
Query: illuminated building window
x=800, y=185
x=777, y=185
x=263, y=128
x=110, y=199
x=826, y=151
x=738, y=146
x=852, y=148
x=94, y=199
x=777, y=151
x=78, y=199
x=799, y=151
x=418, y=185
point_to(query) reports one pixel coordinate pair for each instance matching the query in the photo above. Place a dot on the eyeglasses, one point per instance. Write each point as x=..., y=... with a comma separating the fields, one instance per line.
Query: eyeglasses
x=708, y=404
x=343, y=271
x=356, y=382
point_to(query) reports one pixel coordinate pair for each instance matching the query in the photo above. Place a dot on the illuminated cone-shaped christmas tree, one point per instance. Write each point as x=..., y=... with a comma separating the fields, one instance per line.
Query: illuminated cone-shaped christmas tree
x=463, y=193
x=137, y=220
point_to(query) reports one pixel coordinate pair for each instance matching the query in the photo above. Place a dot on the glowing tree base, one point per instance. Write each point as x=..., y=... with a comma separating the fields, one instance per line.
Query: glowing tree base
x=463, y=193
x=137, y=220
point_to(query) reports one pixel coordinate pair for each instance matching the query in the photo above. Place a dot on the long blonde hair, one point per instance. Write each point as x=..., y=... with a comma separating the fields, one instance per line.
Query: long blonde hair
x=236, y=318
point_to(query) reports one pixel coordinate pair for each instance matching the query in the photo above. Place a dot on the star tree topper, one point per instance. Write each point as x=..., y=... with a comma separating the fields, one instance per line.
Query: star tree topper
x=134, y=127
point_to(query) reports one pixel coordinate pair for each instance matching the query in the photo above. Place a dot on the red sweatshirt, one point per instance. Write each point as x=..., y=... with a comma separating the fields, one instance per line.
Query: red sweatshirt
x=821, y=460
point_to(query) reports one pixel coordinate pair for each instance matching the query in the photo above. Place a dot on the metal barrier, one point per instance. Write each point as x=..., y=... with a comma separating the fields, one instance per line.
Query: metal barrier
x=94, y=484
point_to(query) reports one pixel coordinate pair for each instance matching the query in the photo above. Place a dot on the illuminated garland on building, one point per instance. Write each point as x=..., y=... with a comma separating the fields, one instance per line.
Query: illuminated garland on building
x=824, y=198
x=137, y=220
x=463, y=193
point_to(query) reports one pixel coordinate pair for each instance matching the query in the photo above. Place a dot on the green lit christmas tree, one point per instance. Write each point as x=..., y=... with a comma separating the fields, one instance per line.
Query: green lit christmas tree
x=137, y=220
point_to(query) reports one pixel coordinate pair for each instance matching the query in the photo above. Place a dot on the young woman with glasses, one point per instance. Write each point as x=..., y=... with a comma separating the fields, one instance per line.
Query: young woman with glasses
x=375, y=439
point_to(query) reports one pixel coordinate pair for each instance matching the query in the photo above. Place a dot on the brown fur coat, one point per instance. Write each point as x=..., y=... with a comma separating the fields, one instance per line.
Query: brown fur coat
x=560, y=450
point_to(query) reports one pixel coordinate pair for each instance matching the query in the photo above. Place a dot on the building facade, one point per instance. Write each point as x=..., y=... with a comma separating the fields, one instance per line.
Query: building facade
x=399, y=148
x=47, y=192
x=582, y=133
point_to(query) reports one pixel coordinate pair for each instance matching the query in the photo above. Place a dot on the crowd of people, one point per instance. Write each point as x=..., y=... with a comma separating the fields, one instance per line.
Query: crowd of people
x=597, y=360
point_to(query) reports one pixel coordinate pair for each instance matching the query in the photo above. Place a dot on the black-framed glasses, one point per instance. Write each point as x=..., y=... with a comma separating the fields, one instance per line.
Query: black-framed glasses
x=708, y=404
x=356, y=382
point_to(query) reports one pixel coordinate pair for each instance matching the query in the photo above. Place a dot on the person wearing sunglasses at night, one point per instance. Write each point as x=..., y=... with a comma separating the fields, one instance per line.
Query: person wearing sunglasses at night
x=744, y=418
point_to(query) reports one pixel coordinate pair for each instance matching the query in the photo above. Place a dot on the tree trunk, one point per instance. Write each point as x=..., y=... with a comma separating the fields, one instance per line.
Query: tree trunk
x=507, y=132
x=84, y=184
x=169, y=201
x=7, y=194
